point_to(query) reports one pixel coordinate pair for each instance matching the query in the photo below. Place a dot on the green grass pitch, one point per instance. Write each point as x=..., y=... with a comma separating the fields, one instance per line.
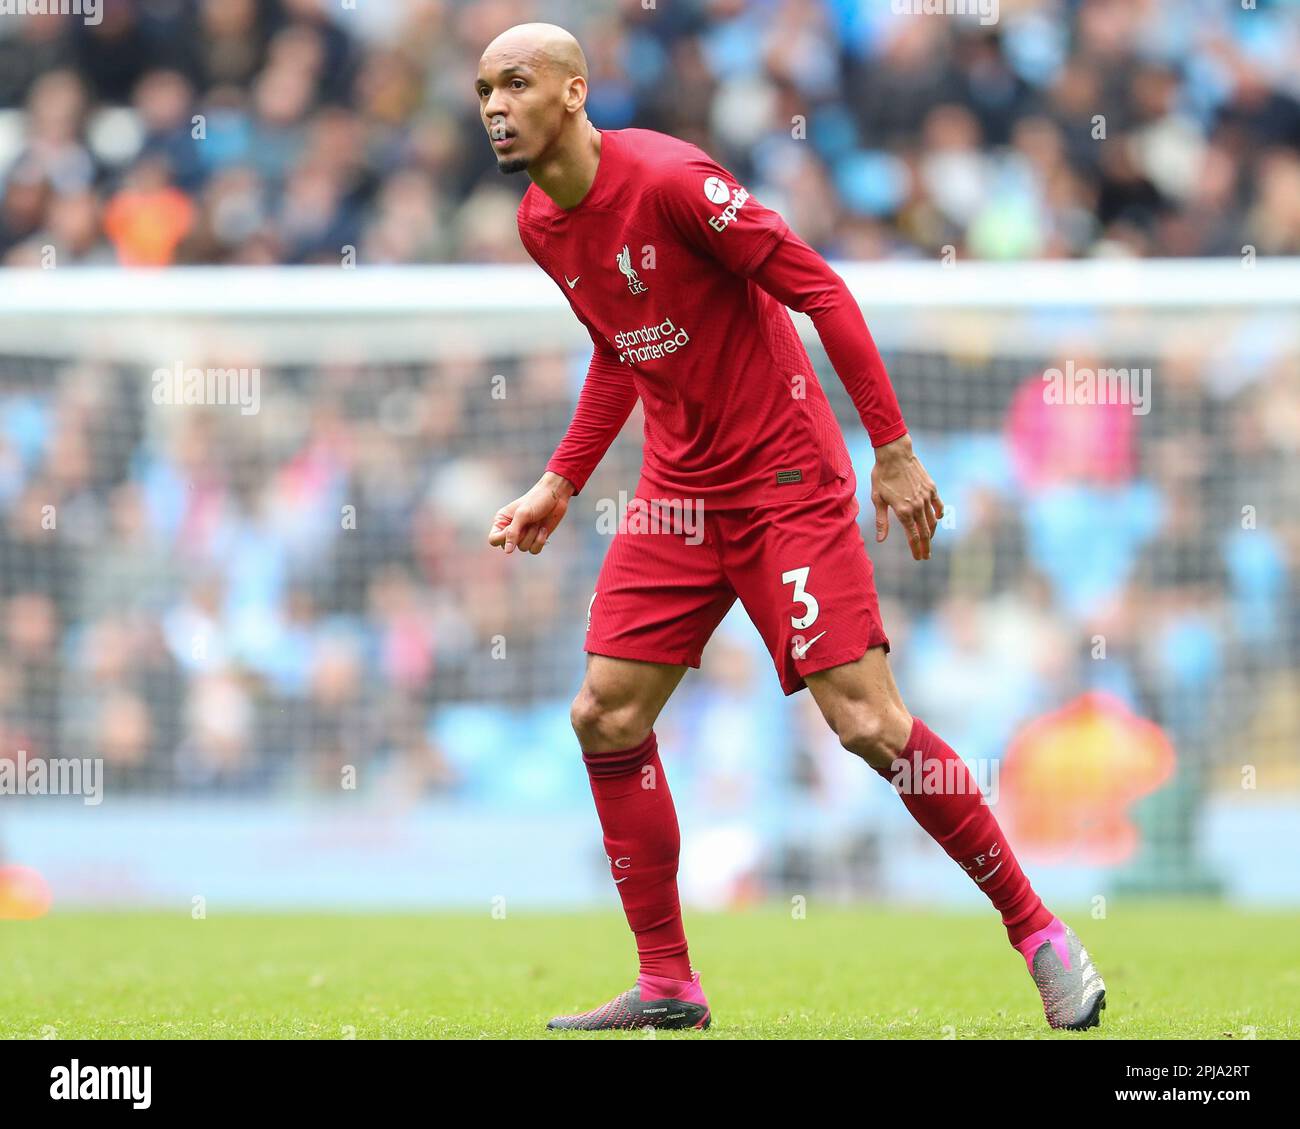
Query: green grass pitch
x=1172, y=971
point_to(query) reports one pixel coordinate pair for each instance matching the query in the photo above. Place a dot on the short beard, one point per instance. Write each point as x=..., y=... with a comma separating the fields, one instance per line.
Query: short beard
x=512, y=164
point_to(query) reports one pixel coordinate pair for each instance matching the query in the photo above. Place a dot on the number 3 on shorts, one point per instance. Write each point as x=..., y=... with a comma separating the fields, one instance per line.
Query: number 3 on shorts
x=799, y=577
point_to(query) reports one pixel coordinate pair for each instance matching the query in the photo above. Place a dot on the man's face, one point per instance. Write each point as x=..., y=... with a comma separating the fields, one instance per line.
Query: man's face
x=522, y=106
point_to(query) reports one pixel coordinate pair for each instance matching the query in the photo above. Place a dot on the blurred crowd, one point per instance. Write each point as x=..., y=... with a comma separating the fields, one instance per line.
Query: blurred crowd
x=290, y=131
x=215, y=601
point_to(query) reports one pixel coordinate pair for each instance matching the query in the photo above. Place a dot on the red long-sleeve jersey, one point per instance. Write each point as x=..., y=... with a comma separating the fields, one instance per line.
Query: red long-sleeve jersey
x=682, y=278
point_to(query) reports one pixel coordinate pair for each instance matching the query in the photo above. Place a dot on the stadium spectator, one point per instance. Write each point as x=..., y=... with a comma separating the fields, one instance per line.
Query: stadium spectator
x=289, y=130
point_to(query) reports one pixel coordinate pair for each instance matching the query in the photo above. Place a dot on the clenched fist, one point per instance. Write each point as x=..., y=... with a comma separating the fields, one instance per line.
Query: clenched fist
x=527, y=522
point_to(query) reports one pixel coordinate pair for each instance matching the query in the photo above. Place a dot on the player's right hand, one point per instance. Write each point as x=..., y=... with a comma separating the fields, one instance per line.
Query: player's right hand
x=527, y=522
x=900, y=482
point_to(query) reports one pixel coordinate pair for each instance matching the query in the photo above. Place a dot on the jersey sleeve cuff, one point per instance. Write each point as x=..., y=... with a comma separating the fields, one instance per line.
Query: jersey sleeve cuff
x=578, y=479
x=880, y=438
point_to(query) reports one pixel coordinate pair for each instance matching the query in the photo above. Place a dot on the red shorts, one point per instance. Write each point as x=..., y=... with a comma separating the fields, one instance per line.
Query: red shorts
x=800, y=569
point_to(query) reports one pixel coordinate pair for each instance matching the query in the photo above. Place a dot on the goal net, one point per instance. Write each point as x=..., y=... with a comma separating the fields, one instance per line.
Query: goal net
x=243, y=521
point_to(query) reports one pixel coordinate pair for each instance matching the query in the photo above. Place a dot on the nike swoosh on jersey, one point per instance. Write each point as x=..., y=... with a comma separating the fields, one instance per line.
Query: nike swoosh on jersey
x=574, y=282
x=989, y=875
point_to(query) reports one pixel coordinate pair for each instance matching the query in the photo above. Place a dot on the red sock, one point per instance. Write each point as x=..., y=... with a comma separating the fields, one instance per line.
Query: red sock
x=642, y=842
x=957, y=818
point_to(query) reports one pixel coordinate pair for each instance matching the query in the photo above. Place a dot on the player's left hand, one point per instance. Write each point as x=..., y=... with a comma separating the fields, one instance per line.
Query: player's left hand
x=899, y=482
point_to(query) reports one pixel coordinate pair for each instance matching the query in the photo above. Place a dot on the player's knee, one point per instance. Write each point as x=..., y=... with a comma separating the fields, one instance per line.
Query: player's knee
x=602, y=723
x=875, y=735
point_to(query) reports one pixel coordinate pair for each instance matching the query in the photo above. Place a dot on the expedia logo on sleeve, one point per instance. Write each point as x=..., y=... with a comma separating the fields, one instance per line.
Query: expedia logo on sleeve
x=715, y=190
x=786, y=476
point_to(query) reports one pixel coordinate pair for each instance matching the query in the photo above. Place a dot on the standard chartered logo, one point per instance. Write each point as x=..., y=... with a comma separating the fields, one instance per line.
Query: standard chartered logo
x=650, y=342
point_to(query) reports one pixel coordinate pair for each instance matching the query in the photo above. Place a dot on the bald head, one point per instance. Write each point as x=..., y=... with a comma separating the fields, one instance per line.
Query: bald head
x=547, y=47
x=532, y=89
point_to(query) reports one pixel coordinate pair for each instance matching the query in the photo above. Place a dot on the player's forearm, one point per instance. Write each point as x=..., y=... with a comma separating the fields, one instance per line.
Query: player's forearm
x=606, y=400
x=857, y=361
x=800, y=278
